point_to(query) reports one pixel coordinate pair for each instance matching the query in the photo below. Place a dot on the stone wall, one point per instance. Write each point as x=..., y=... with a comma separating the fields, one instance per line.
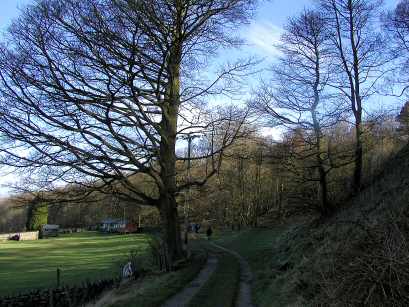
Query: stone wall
x=24, y=236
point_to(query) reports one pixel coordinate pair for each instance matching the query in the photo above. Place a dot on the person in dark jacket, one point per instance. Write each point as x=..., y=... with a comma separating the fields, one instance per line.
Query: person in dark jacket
x=209, y=232
x=197, y=227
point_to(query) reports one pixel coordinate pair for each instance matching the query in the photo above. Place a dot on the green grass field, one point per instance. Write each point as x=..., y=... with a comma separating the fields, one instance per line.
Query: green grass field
x=28, y=265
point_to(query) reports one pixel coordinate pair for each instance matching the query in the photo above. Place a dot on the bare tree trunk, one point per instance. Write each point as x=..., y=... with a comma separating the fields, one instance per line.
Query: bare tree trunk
x=171, y=228
x=323, y=184
x=167, y=200
x=318, y=136
x=358, y=158
x=325, y=205
x=280, y=189
x=321, y=173
x=357, y=104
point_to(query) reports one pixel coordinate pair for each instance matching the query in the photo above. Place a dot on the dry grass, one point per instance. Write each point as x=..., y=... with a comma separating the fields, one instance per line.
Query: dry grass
x=372, y=271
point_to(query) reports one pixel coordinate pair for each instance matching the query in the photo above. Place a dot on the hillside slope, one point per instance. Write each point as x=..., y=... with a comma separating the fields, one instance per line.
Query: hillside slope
x=360, y=256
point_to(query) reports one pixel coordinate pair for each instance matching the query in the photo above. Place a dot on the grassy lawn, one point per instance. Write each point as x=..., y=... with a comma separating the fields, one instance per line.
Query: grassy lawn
x=30, y=265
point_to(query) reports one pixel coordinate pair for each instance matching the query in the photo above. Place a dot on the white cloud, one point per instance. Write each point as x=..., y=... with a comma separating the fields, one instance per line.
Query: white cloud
x=263, y=35
x=275, y=134
x=7, y=178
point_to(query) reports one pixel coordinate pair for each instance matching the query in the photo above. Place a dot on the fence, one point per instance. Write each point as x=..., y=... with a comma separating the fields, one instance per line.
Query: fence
x=24, y=236
x=60, y=297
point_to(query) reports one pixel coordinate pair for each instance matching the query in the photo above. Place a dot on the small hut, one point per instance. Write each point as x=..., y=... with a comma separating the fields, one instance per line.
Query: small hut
x=117, y=226
x=49, y=230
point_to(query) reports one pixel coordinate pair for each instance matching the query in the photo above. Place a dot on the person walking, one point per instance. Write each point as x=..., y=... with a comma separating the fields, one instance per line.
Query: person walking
x=209, y=232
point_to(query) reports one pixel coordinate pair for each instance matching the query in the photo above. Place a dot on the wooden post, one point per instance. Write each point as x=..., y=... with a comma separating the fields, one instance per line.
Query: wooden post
x=58, y=277
x=50, y=297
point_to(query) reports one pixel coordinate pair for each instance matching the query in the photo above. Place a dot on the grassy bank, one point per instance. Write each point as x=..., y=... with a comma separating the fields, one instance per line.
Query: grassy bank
x=355, y=257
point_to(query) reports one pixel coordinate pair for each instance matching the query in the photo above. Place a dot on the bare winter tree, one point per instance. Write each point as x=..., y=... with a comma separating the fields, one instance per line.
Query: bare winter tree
x=298, y=95
x=93, y=92
x=358, y=53
x=396, y=25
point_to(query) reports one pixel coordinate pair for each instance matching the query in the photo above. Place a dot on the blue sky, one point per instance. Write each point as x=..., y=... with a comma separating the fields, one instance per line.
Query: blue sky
x=278, y=10
x=261, y=34
x=274, y=11
x=9, y=9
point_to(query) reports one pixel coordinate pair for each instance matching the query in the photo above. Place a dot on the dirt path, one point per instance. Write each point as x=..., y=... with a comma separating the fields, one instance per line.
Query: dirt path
x=183, y=298
x=246, y=276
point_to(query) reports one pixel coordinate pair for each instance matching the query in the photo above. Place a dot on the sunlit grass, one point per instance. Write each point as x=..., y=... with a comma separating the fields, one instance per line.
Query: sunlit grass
x=28, y=265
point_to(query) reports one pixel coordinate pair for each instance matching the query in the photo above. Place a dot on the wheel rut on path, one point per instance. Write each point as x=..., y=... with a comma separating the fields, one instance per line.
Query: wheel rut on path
x=244, y=298
x=183, y=298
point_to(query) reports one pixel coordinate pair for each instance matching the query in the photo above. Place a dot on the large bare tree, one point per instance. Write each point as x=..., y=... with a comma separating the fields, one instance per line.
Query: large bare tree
x=396, y=25
x=298, y=95
x=94, y=92
x=359, y=54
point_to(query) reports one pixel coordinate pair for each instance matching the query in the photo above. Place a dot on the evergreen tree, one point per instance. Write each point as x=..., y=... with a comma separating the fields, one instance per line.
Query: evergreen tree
x=37, y=216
